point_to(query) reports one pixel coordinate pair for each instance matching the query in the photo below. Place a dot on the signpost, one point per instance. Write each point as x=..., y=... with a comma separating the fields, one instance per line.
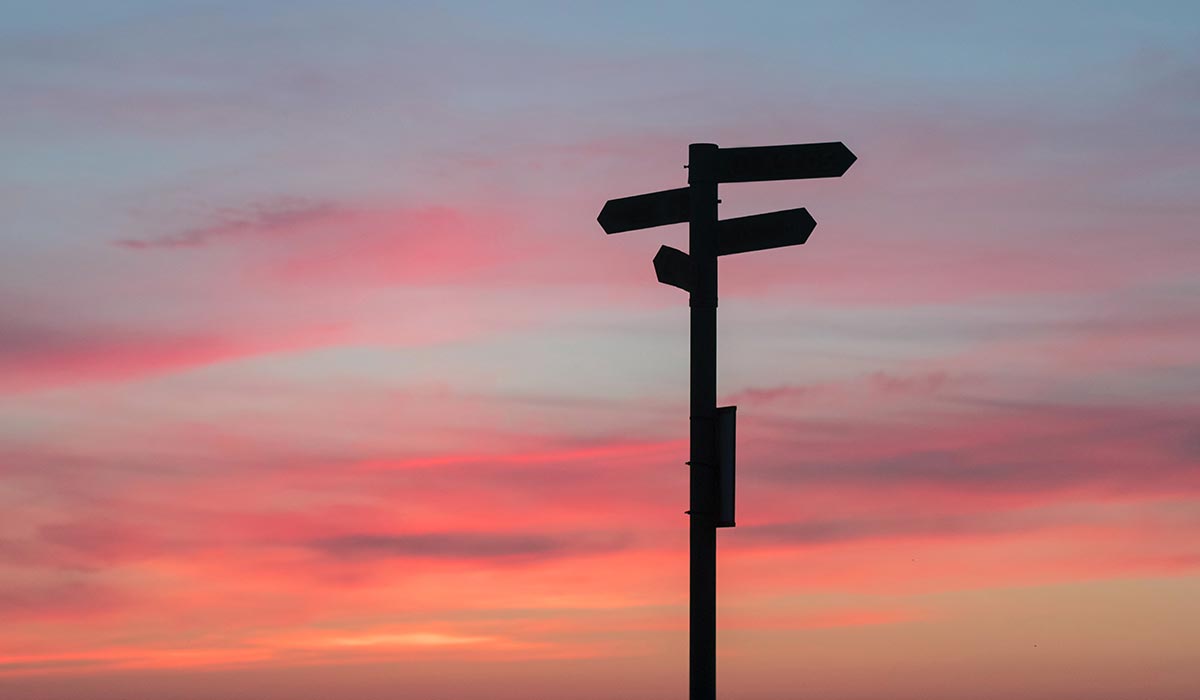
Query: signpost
x=712, y=429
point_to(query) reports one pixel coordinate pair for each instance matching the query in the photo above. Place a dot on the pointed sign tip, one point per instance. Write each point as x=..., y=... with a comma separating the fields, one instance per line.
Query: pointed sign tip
x=603, y=218
x=850, y=156
x=673, y=267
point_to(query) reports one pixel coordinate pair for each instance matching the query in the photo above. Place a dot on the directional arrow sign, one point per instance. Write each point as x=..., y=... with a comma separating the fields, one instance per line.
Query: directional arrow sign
x=673, y=267
x=645, y=210
x=794, y=162
x=763, y=231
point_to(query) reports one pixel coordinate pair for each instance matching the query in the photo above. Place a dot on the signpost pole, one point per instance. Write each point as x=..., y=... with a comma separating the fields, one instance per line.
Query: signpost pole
x=702, y=242
x=712, y=459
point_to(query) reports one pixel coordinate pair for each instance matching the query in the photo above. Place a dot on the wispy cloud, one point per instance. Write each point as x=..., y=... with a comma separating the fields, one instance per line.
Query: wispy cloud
x=274, y=218
x=1002, y=449
x=467, y=545
x=49, y=353
x=66, y=601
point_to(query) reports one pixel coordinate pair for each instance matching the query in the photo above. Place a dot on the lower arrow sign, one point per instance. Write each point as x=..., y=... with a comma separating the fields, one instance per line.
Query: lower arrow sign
x=673, y=267
x=763, y=231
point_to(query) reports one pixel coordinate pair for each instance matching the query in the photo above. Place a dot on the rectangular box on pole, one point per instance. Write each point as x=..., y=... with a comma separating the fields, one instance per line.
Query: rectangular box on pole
x=726, y=472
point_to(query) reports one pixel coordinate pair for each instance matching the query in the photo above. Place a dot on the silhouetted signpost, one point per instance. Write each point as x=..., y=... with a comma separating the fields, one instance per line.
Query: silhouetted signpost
x=712, y=428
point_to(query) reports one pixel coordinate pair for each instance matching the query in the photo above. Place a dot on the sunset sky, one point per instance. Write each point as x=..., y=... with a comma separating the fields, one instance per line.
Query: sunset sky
x=319, y=380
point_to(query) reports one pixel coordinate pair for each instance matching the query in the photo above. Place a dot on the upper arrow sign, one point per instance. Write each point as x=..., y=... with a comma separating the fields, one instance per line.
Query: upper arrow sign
x=762, y=231
x=794, y=162
x=645, y=210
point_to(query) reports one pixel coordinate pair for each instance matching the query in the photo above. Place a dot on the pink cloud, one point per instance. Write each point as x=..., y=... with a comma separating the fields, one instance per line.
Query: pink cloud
x=431, y=245
x=40, y=357
x=507, y=531
x=896, y=385
x=58, y=601
x=1017, y=451
x=824, y=619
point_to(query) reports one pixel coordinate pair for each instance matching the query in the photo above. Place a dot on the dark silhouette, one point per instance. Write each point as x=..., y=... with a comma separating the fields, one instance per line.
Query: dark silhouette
x=712, y=443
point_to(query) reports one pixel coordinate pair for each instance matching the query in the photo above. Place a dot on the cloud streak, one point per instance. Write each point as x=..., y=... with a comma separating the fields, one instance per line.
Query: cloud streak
x=277, y=218
x=469, y=545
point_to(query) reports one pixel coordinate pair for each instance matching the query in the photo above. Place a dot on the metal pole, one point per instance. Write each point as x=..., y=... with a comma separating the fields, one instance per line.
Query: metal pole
x=702, y=245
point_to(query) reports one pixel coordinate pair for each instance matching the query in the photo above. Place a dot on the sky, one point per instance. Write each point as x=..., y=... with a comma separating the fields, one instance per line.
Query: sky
x=318, y=377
